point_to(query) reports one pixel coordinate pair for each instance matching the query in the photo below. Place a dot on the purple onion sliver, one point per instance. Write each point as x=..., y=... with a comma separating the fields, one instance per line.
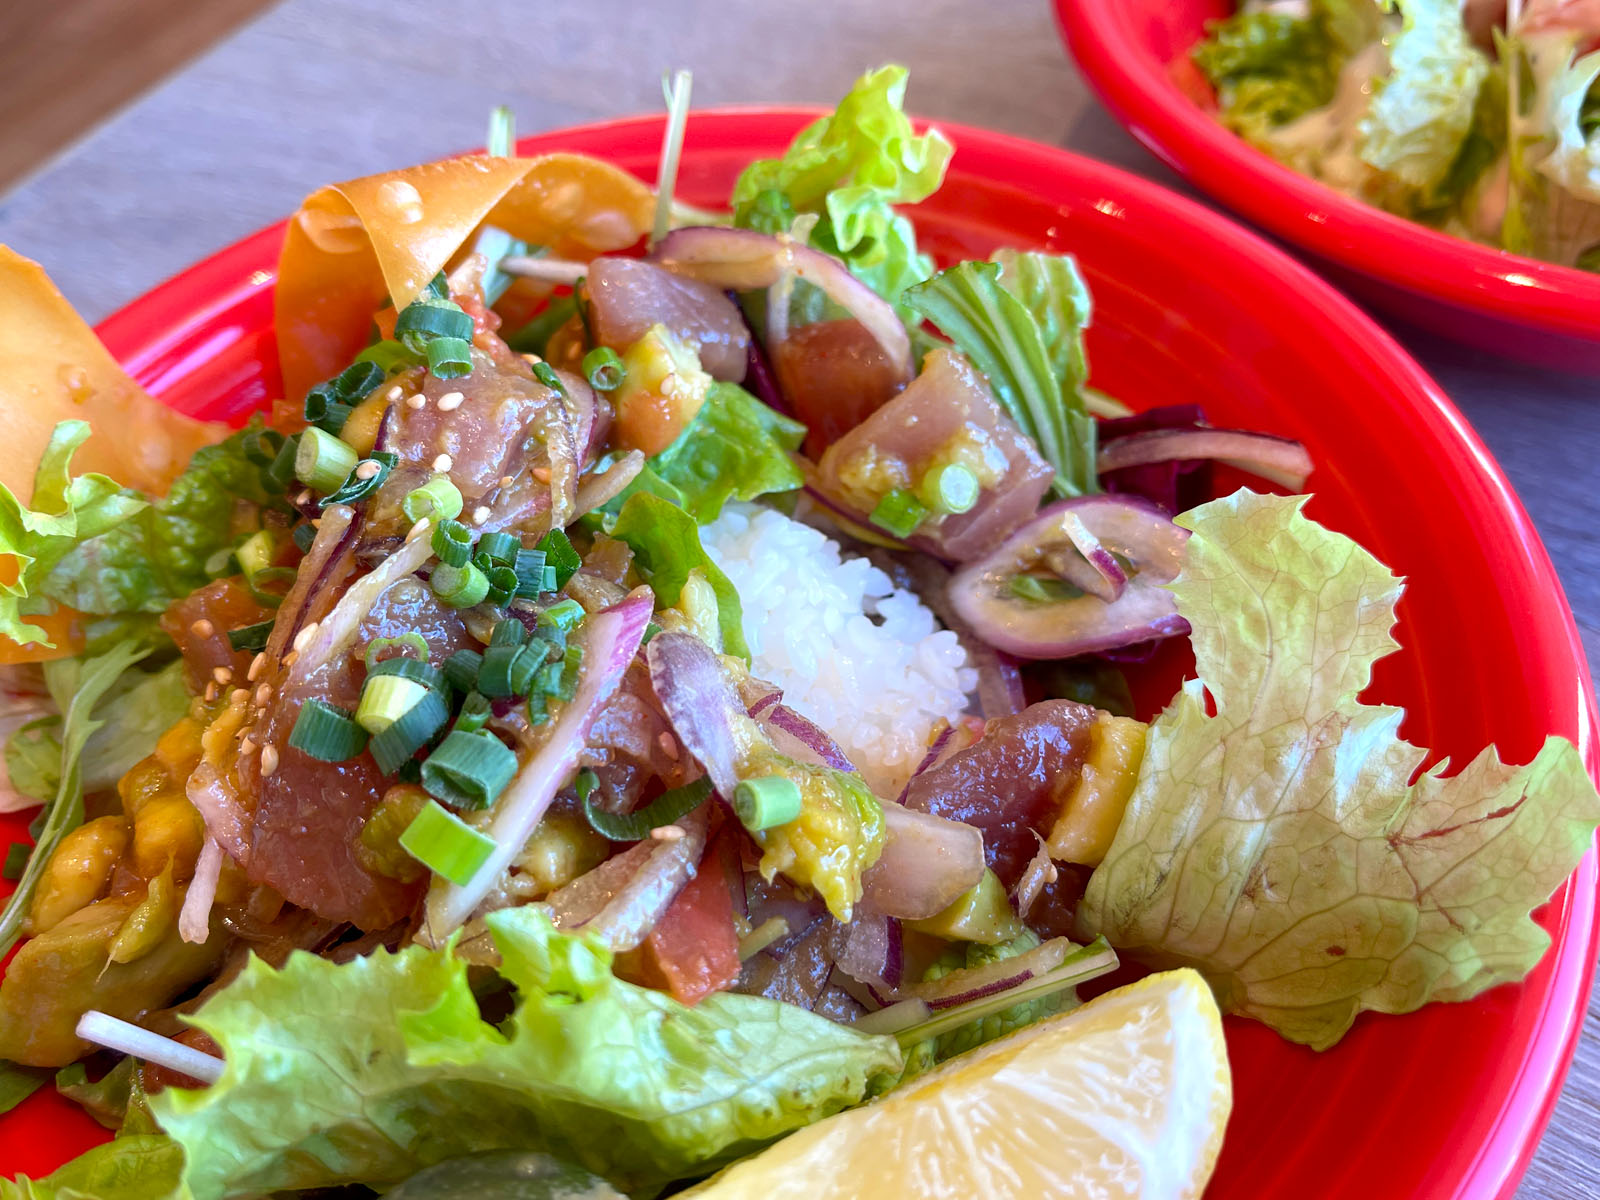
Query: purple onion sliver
x=978, y=993
x=928, y=759
x=812, y=735
x=1282, y=460
x=766, y=702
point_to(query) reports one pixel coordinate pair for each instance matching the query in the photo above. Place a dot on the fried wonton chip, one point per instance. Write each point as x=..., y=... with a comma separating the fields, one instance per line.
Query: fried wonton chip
x=53, y=368
x=353, y=246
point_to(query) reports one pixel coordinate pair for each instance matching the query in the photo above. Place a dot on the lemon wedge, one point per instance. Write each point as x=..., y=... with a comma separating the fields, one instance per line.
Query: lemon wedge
x=1126, y=1096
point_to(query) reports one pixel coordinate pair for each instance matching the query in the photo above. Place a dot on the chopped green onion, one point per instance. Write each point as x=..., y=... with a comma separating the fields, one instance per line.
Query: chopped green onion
x=543, y=372
x=256, y=552
x=525, y=667
x=650, y=631
x=509, y=632
x=571, y=663
x=531, y=572
x=322, y=462
x=766, y=802
x=494, y=679
x=899, y=513
x=558, y=553
x=952, y=488
x=329, y=405
x=585, y=783
x=563, y=615
x=438, y=500
x=417, y=670
x=327, y=732
x=469, y=770
x=281, y=471
x=261, y=446
x=304, y=534
x=16, y=863
x=387, y=698
x=449, y=357
x=460, y=587
x=410, y=732
x=475, y=713
x=367, y=477
x=250, y=637
x=262, y=581
x=461, y=669
x=389, y=356
x=427, y=318
x=438, y=287
x=502, y=585
x=663, y=810
x=500, y=546
x=604, y=369
x=415, y=642
x=446, y=845
x=502, y=141
x=452, y=542
x=356, y=380
x=1042, y=590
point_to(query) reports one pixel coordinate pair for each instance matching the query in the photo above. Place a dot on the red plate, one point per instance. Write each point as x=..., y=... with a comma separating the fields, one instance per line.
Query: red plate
x=1448, y=1102
x=1135, y=53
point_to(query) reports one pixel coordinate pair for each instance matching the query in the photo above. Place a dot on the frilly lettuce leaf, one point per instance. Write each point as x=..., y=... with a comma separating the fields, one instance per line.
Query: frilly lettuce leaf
x=736, y=448
x=369, y=1070
x=143, y=1167
x=1420, y=117
x=142, y=565
x=139, y=707
x=1283, y=846
x=849, y=168
x=68, y=509
x=1560, y=207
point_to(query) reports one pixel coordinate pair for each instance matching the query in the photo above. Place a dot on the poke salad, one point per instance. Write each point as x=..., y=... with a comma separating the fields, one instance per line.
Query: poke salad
x=1476, y=118
x=660, y=702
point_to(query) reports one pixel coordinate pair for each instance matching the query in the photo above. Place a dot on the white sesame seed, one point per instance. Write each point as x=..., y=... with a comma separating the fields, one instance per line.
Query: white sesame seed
x=366, y=469
x=246, y=748
x=263, y=694
x=305, y=635
x=211, y=692
x=542, y=474
x=480, y=514
x=416, y=400
x=257, y=665
x=450, y=401
x=223, y=675
x=506, y=481
x=667, y=833
x=421, y=527
x=238, y=696
x=443, y=463
x=532, y=360
x=1051, y=874
x=669, y=745
x=394, y=393
x=304, y=497
x=202, y=628
x=269, y=759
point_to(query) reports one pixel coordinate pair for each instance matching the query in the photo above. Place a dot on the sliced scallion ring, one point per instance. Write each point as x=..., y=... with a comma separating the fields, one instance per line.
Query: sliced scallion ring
x=446, y=845
x=449, y=357
x=326, y=732
x=766, y=802
x=385, y=699
x=452, y=542
x=663, y=810
x=438, y=500
x=413, y=642
x=410, y=732
x=468, y=770
x=322, y=462
x=462, y=668
x=460, y=587
x=604, y=369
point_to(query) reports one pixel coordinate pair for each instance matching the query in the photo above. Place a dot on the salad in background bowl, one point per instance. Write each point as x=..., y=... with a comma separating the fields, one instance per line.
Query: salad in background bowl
x=1390, y=141
x=686, y=673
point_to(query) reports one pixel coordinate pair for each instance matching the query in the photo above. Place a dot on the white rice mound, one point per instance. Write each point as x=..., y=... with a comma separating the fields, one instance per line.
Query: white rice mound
x=867, y=662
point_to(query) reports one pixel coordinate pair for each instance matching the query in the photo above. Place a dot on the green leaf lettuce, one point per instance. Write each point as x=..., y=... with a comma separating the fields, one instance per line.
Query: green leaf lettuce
x=736, y=448
x=1282, y=846
x=369, y=1070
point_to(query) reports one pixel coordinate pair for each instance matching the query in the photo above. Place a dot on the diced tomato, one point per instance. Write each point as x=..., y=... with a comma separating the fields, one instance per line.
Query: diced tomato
x=694, y=949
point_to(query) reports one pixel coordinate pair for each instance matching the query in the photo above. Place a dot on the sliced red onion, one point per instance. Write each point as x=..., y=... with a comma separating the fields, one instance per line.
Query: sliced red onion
x=766, y=702
x=226, y=821
x=810, y=735
x=698, y=702
x=1104, y=576
x=928, y=759
x=745, y=260
x=1039, y=871
x=868, y=949
x=1134, y=529
x=102, y=1029
x=972, y=983
x=927, y=861
x=1281, y=460
x=624, y=898
x=760, y=382
x=194, y=919
x=1000, y=691
x=609, y=639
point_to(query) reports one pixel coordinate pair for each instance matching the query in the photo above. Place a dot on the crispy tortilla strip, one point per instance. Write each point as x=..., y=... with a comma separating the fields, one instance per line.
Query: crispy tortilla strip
x=53, y=368
x=352, y=246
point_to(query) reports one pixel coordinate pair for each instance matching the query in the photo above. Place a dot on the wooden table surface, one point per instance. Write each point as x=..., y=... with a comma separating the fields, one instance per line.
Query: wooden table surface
x=318, y=90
